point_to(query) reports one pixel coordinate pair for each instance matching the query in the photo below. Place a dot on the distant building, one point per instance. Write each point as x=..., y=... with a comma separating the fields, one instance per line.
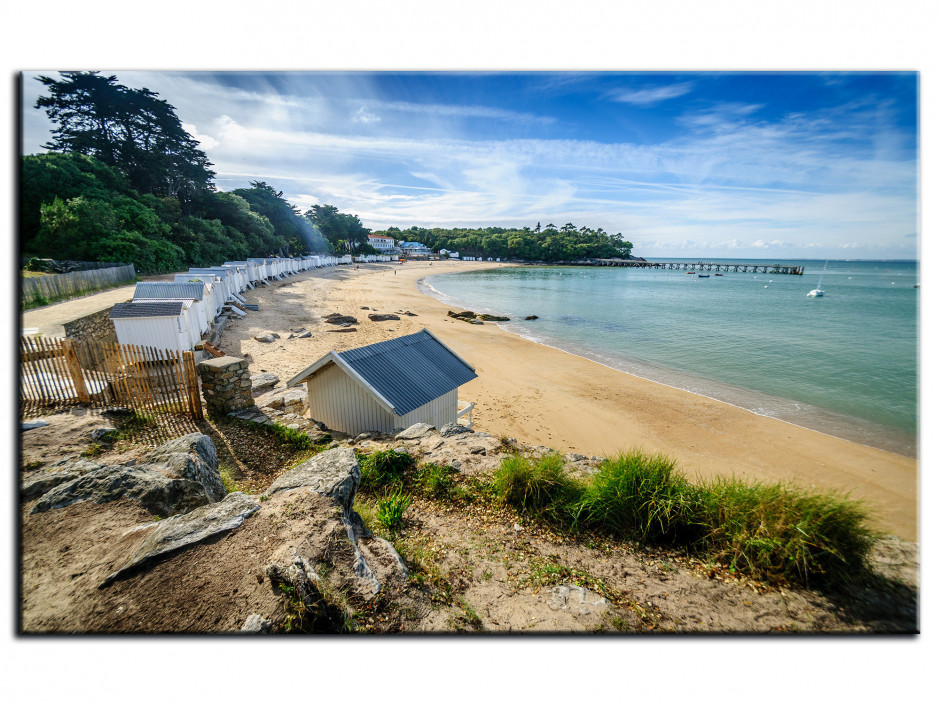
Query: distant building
x=386, y=386
x=382, y=243
x=415, y=249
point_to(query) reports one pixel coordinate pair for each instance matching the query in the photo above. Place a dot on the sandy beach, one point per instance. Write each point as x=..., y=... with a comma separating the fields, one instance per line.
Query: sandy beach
x=541, y=395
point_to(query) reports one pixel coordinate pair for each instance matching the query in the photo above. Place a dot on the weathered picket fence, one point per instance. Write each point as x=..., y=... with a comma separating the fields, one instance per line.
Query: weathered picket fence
x=60, y=372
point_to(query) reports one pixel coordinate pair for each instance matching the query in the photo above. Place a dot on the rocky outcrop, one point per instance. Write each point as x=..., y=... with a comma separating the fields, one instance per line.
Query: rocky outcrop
x=333, y=473
x=293, y=400
x=176, y=477
x=454, y=429
x=192, y=457
x=263, y=381
x=338, y=319
x=184, y=530
x=384, y=317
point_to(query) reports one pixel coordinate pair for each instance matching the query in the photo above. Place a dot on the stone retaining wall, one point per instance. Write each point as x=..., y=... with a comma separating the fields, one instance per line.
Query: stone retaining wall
x=94, y=328
x=226, y=384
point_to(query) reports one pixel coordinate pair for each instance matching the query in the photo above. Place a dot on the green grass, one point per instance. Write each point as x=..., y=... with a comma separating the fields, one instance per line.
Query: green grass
x=537, y=486
x=384, y=468
x=390, y=509
x=298, y=440
x=434, y=480
x=772, y=532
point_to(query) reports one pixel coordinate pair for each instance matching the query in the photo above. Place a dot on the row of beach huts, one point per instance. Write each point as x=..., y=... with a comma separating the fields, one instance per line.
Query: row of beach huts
x=178, y=315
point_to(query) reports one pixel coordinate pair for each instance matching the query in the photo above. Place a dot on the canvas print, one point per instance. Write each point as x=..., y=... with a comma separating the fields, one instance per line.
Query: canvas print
x=442, y=352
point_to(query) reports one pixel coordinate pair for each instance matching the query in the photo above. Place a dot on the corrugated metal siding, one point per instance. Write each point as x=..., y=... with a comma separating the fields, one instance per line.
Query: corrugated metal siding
x=437, y=412
x=409, y=371
x=343, y=405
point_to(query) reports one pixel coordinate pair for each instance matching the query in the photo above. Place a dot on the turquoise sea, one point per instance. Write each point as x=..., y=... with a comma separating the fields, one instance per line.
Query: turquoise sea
x=844, y=364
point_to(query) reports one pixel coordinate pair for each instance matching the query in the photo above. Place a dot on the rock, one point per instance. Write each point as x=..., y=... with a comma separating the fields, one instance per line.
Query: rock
x=182, y=531
x=477, y=450
x=531, y=318
x=304, y=334
x=191, y=457
x=334, y=473
x=414, y=431
x=30, y=425
x=343, y=330
x=454, y=429
x=101, y=433
x=384, y=317
x=42, y=482
x=576, y=599
x=262, y=381
x=466, y=315
x=337, y=319
x=476, y=322
x=293, y=399
x=256, y=624
x=490, y=317
x=156, y=493
x=575, y=457
x=264, y=338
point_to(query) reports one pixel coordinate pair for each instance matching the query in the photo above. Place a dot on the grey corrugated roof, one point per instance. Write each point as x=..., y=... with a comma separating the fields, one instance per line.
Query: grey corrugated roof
x=147, y=309
x=409, y=371
x=170, y=290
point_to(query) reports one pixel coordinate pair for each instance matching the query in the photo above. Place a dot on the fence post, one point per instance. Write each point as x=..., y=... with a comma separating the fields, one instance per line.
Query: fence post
x=192, y=383
x=75, y=370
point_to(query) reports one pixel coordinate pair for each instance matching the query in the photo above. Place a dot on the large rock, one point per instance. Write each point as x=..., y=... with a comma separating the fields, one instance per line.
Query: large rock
x=418, y=430
x=334, y=473
x=293, y=399
x=454, y=429
x=156, y=493
x=185, y=530
x=263, y=381
x=191, y=457
x=42, y=482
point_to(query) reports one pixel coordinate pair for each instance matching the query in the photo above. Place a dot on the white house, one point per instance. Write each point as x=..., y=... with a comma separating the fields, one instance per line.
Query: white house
x=386, y=386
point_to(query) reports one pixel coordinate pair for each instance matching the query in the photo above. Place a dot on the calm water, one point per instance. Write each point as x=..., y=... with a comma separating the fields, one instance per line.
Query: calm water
x=844, y=364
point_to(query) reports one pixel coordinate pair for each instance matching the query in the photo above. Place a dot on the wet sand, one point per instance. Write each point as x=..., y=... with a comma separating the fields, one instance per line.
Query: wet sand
x=541, y=395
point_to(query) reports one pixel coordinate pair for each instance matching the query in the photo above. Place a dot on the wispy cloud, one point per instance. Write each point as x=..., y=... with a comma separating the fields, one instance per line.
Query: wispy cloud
x=646, y=97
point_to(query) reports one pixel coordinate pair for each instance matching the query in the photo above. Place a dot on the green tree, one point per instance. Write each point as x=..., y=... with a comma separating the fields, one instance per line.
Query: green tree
x=125, y=128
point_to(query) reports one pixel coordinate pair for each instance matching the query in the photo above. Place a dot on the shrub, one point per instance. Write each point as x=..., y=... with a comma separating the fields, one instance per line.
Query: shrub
x=536, y=485
x=777, y=531
x=639, y=495
x=383, y=468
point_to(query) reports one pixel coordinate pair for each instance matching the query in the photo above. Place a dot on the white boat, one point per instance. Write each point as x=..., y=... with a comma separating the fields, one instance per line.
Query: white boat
x=818, y=291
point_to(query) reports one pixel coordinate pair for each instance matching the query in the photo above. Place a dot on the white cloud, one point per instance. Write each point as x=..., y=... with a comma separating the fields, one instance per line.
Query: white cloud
x=645, y=97
x=365, y=116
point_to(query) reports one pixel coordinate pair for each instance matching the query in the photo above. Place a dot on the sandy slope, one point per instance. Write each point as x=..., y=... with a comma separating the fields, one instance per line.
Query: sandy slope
x=541, y=395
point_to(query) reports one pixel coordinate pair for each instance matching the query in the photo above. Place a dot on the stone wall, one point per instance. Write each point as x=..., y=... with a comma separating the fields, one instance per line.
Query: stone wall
x=96, y=328
x=226, y=384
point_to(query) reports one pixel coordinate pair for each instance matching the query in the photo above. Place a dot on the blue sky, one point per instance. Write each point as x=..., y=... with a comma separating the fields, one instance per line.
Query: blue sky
x=703, y=164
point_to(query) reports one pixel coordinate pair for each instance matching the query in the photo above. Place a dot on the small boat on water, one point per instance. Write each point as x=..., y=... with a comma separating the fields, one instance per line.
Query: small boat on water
x=690, y=272
x=704, y=276
x=818, y=291
x=718, y=274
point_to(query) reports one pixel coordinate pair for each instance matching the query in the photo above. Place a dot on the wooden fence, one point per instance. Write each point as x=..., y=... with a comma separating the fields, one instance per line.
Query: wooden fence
x=55, y=287
x=59, y=372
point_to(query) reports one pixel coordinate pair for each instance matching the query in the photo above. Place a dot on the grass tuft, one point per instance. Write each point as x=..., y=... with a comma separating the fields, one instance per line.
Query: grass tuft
x=384, y=468
x=390, y=509
x=539, y=485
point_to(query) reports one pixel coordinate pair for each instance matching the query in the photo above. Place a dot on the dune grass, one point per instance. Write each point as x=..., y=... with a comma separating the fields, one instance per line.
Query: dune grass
x=773, y=532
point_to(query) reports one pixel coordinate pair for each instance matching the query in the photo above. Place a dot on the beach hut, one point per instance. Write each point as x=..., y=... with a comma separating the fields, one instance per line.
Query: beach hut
x=158, y=324
x=386, y=386
x=194, y=292
x=215, y=298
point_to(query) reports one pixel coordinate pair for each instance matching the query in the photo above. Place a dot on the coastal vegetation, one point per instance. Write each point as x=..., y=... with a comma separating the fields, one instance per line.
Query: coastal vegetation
x=548, y=244
x=771, y=532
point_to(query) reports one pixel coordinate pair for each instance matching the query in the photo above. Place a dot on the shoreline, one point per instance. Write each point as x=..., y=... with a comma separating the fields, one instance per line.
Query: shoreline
x=794, y=412
x=542, y=395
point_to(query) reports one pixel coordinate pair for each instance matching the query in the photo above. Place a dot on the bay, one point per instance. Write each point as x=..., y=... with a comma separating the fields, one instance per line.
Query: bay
x=843, y=364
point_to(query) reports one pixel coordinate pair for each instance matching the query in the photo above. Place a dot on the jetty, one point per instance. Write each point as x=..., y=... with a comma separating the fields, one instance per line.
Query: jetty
x=694, y=266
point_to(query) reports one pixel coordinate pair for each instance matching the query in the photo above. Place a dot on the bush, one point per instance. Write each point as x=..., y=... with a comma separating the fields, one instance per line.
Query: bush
x=536, y=485
x=434, y=480
x=777, y=531
x=635, y=495
x=384, y=468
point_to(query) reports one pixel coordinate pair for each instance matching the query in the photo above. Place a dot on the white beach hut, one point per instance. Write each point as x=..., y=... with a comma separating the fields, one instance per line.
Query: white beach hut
x=386, y=386
x=215, y=288
x=158, y=324
x=194, y=292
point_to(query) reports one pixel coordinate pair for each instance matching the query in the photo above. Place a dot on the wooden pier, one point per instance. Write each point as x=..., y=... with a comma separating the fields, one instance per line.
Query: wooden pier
x=694, y=266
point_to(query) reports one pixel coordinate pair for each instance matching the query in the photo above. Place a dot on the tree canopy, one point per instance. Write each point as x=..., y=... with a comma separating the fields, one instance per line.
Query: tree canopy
x=126, y=128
